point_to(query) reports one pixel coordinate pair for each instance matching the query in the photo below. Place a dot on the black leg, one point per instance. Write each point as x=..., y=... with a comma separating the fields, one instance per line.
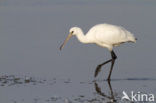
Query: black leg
x=111, y=90
x=113, y=55
x=113, y=61
x=98, y=68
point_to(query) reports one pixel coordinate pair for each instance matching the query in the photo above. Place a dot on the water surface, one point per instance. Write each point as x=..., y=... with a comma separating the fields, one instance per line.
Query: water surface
x=32, y=31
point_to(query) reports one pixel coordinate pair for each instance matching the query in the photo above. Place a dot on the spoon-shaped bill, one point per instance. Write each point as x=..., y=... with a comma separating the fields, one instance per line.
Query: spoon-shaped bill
x=68, y=37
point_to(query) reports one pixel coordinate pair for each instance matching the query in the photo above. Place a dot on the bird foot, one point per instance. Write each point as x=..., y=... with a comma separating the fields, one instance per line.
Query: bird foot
x=98, y=69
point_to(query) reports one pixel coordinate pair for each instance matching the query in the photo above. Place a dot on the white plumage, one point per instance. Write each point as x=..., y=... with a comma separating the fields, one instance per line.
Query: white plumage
x=104, y=35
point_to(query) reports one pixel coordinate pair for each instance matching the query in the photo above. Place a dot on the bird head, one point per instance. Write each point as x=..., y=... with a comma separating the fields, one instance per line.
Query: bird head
x=75, y=30
x=72, y=31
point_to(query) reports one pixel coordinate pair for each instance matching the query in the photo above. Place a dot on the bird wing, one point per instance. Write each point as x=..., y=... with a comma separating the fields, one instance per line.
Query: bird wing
x=110, y=34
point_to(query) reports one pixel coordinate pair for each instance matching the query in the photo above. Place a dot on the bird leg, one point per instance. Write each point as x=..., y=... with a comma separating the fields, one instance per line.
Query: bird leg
x=113, y=61
x=98, y=68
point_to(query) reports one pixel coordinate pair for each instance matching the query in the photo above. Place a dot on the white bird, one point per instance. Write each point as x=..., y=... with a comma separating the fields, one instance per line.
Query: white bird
x=104, y=35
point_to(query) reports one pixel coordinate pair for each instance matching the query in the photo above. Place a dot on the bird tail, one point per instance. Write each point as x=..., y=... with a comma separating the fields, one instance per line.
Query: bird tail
x=131, y=38
x=136, y=38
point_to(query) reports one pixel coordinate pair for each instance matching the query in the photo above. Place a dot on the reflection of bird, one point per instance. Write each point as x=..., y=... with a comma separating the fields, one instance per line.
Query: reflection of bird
x=98, y=90
x=104, y=35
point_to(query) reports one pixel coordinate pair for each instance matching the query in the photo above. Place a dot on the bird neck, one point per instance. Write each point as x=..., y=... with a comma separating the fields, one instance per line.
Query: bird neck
x=81, y=37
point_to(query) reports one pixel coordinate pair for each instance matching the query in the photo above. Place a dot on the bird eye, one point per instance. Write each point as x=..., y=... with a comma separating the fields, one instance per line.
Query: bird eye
x=72, y=32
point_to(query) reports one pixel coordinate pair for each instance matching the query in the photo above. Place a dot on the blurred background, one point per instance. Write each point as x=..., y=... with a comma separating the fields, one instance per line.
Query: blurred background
x=31, y=32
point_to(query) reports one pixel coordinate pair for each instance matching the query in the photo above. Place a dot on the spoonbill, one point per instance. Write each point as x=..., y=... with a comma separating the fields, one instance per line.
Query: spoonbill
x=104, y=35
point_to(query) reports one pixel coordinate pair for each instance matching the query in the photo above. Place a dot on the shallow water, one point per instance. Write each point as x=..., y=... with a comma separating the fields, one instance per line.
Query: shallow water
x=33, y=70
x=53, y=90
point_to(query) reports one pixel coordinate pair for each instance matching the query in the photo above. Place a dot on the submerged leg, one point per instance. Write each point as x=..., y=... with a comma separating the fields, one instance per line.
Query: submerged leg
x=113, y=61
